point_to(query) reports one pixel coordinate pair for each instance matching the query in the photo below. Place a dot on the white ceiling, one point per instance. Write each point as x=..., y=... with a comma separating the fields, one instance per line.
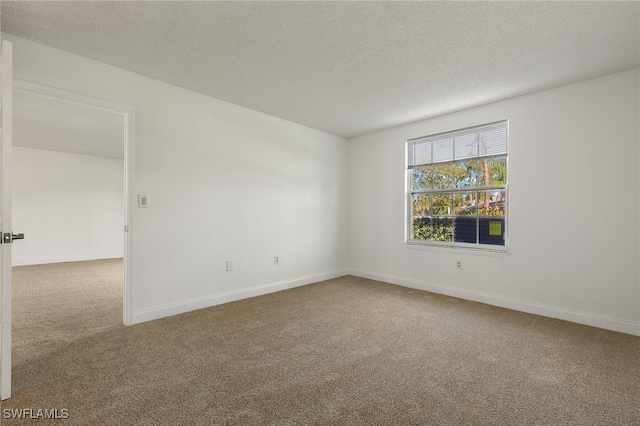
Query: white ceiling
x=348, y=68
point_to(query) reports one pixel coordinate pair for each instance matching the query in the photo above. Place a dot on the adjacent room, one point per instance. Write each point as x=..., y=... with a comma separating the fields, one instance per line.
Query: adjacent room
x=68, y=198
x=68, y=180
x=326, y=212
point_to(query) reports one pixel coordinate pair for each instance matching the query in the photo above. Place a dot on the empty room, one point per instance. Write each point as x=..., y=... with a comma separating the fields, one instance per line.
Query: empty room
x=358, y=213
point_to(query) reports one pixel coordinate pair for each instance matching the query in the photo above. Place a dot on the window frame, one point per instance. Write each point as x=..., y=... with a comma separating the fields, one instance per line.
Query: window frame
x=410, y=192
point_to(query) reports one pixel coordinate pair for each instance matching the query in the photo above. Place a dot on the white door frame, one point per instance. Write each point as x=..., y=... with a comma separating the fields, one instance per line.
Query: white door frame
x=6, y=92
x=128, y=113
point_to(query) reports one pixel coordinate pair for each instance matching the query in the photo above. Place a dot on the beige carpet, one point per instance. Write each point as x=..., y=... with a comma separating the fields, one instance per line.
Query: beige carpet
x=347, y=351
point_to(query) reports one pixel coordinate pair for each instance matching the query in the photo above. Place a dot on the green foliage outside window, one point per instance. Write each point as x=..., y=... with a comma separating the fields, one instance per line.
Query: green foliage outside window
x=434, y=213
x=434, y=229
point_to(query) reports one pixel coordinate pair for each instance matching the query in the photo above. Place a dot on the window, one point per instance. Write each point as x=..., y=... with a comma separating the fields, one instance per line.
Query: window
x=457, y=188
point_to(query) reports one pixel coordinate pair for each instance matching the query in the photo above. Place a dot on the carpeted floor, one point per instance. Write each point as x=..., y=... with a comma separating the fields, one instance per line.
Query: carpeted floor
x=348, y=351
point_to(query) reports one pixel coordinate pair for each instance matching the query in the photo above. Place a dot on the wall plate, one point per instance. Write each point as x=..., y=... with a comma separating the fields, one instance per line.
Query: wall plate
x=143, y=200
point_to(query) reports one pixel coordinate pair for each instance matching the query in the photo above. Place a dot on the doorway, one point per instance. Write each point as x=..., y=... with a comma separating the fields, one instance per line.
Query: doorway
x=83, y=143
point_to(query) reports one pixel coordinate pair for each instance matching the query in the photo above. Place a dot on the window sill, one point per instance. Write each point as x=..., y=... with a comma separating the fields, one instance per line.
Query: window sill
x=480, y=251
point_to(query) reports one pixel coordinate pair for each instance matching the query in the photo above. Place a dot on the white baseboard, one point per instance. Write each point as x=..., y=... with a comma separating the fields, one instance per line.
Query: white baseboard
x=230, y=296
x=585, y=318
x=594, y=320
x=63, y=259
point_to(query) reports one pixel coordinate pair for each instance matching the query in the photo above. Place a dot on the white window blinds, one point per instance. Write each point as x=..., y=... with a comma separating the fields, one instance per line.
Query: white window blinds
x=473, y=143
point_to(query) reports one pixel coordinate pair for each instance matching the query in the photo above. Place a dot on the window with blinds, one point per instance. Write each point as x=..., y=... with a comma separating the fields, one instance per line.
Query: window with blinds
x=457, y=188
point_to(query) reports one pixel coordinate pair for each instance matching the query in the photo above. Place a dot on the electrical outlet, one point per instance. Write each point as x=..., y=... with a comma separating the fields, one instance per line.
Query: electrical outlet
x=458, y=264
x=276, y=260
x=229, y=265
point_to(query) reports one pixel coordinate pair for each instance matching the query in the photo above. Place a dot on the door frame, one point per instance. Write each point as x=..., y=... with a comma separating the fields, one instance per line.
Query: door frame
x=6, y=101
x=128, y=113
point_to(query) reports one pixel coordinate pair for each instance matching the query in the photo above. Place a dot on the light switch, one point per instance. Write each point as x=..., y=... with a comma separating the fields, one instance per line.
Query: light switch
x=143, y=200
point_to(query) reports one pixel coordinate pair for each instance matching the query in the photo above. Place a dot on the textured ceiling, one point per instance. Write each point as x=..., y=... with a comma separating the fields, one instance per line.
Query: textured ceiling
x=348, y=68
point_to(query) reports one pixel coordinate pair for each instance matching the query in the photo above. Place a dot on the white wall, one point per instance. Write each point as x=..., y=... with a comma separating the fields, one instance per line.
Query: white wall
x=574, y=207
x=69, y=206
x=224, y=183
